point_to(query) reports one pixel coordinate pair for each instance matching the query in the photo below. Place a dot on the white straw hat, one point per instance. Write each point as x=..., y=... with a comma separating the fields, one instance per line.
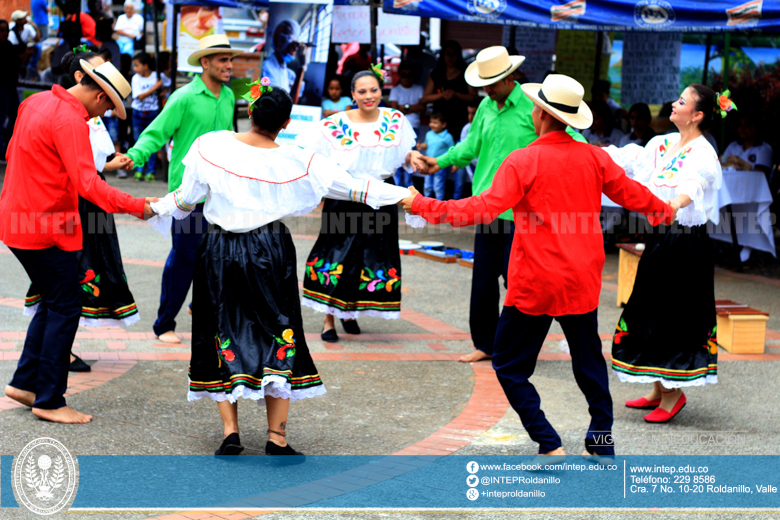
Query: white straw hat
x=19, y=15
x=561, y=96
x=492, y=64
x=111, y=81
x=214, y=44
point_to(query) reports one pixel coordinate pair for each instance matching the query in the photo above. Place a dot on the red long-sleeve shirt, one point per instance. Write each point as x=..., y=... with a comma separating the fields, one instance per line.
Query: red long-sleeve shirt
x=554, y=188
x=49, y=165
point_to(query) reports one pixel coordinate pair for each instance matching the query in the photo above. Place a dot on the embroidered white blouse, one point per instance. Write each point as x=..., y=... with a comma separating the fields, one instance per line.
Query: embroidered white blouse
x=100, y=139
x=366, y=150
x=247, y=187
x=693, y=171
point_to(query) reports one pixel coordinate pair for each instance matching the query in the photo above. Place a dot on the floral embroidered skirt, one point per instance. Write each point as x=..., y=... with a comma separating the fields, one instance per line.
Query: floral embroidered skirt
x=247, y=331
x=354, y=268
x=105, y=296
x=667, y=331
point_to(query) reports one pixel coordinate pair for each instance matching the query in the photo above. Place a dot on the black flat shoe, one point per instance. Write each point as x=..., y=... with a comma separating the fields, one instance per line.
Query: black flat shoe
x=78, y=365
x=230, y=446
x=271, y=448
x=330, y=336
x=350, y=326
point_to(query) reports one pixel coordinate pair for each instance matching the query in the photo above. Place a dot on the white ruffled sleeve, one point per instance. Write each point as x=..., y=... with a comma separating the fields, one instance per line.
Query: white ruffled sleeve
x=636, y=160
x=313, y=140
x=408, y=141
x=102, y=145
x=180, y=203
x=373, y=193
x=700, y=178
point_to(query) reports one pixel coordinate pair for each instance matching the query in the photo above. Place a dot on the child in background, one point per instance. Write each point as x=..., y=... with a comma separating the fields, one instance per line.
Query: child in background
x=335, y=102
x=146, y=105
x=464, y=175
x=437, y=141
x=405, y=97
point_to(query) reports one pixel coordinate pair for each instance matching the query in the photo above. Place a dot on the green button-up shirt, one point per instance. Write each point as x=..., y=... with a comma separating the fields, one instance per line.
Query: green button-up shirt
x=493, y=135
x=190, y=112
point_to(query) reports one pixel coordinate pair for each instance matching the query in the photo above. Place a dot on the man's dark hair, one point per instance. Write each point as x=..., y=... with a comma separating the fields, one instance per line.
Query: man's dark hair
x=440, y=116
x=144, y=59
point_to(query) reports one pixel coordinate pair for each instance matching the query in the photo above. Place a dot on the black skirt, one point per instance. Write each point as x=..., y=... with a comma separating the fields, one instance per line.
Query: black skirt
x=247, y=332
x=667, y=331
x=105, y=296
x=354, y=268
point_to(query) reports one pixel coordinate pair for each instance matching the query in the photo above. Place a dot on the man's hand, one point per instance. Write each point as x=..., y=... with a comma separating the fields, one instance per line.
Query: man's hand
x=433, y=166
x=148, y=211
x=119, y=161
x=129, y=165
x=675, y=208
x=418, y=162
x=407, y=202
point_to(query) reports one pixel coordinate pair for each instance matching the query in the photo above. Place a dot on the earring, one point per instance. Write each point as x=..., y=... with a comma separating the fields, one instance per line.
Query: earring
x=689, y=122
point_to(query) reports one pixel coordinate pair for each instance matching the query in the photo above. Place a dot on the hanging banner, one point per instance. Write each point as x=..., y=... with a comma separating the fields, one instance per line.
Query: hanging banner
x=604, y=15
x=651, y=68
x=575, y=56
x=352, y=24
x=538, y=47
x=195, y=22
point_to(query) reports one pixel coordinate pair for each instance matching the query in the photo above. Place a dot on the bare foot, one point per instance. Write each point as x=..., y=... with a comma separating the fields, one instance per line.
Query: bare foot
x=169, y=337
x=66, y=415
x=475, y=356
x=20, y=396
x=189, y=309
x=604, y=460
x=556, y=456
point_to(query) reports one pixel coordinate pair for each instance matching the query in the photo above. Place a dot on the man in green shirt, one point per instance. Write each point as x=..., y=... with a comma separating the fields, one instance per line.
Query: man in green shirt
x=501, y=125
x=205, y=105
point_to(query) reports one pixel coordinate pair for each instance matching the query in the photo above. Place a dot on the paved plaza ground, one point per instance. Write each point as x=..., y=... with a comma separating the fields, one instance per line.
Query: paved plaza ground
x=395, y=389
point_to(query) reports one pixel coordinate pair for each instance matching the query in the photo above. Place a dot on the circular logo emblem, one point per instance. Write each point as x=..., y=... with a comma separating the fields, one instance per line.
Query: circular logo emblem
x=45, y=476
x=653, y=13
x=472, y=480
x=472, y=494
x=487, y=8
x=472, y=467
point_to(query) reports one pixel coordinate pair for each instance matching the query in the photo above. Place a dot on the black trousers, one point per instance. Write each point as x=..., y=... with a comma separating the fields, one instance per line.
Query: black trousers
x=43, y=366
x=492, y=247
x=519, y=339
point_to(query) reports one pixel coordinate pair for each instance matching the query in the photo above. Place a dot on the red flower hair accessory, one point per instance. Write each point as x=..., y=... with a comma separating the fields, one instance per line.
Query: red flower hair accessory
x=256, y=90
x=379, y=72
x=723, y=104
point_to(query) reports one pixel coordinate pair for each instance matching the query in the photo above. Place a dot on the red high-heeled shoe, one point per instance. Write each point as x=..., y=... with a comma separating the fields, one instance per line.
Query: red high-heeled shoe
x=643, y=403
x=661, y=416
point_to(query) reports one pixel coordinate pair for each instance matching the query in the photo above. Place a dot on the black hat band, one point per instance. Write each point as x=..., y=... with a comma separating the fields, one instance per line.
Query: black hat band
x=101, y=76
x=558, y=106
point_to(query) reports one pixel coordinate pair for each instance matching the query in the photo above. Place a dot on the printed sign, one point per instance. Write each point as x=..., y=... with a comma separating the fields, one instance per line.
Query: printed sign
x=746, y=14
x=651, y=68
x=352, y=24
x=303, y=117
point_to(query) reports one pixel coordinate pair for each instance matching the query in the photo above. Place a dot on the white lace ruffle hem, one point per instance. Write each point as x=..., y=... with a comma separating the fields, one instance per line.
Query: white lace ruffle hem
x=666, y=383
x=348, y=315
x=93, y=322
x=273, y=386
x=414, y=221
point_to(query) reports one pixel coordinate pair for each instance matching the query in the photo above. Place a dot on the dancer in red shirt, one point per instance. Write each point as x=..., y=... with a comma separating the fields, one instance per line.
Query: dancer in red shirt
x=49, y=165
x=554, y=188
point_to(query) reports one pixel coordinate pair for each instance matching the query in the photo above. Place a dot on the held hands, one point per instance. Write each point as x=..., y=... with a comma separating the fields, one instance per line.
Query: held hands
x=148, y=211
x=407, y=202
x=433, y=166
x=119, y=161
x=418, y=162
x=675, y=208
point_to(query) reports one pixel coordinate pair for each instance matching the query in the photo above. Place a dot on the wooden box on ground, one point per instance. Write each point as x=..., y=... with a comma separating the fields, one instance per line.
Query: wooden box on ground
x=741, y=329
x=628, y=262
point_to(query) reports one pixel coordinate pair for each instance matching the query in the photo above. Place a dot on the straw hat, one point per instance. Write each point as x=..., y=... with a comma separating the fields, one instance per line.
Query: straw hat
x=492, y=64
x=214, y=44
x=561, y=96
x=19, y=15
x=111, y=81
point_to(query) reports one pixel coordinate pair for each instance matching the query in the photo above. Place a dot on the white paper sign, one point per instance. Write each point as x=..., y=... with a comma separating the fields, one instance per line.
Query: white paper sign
x=353, y=24
x=195, y=22
x=303, y=117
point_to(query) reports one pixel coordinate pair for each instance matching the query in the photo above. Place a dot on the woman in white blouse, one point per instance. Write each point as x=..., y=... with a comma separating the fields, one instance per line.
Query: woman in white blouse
x=653, y=344
x=359, y=244
x=247, y=333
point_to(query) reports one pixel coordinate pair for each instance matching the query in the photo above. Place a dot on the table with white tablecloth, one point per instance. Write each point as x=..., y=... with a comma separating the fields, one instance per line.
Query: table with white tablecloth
x=749, y=196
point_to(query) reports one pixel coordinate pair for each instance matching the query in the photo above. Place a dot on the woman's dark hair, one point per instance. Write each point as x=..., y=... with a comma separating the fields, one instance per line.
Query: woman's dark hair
x=364, y=74
x=440, y=70
x=705, y=103
x=70, y=64
x=144, y=59
x=642, y=111
x=272, y=110
x=601, y=109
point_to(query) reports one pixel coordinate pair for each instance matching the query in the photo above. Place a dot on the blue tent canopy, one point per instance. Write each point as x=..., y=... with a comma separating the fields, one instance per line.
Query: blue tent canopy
x=248, y=4
x=603, y=15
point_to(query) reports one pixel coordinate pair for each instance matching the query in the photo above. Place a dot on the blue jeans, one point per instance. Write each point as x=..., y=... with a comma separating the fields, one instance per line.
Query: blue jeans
x=179, y=268
x=519, y=339
x=434, y=183
x=9, y=106
x=461, y=178
x=402, y=178
x=43, y=365
x=112, y=125
x=140, y=121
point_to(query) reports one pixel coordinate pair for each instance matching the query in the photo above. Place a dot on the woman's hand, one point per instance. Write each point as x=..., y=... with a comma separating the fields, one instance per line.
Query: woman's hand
x=407, y=202
x=418, y=162
x=118, y=162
